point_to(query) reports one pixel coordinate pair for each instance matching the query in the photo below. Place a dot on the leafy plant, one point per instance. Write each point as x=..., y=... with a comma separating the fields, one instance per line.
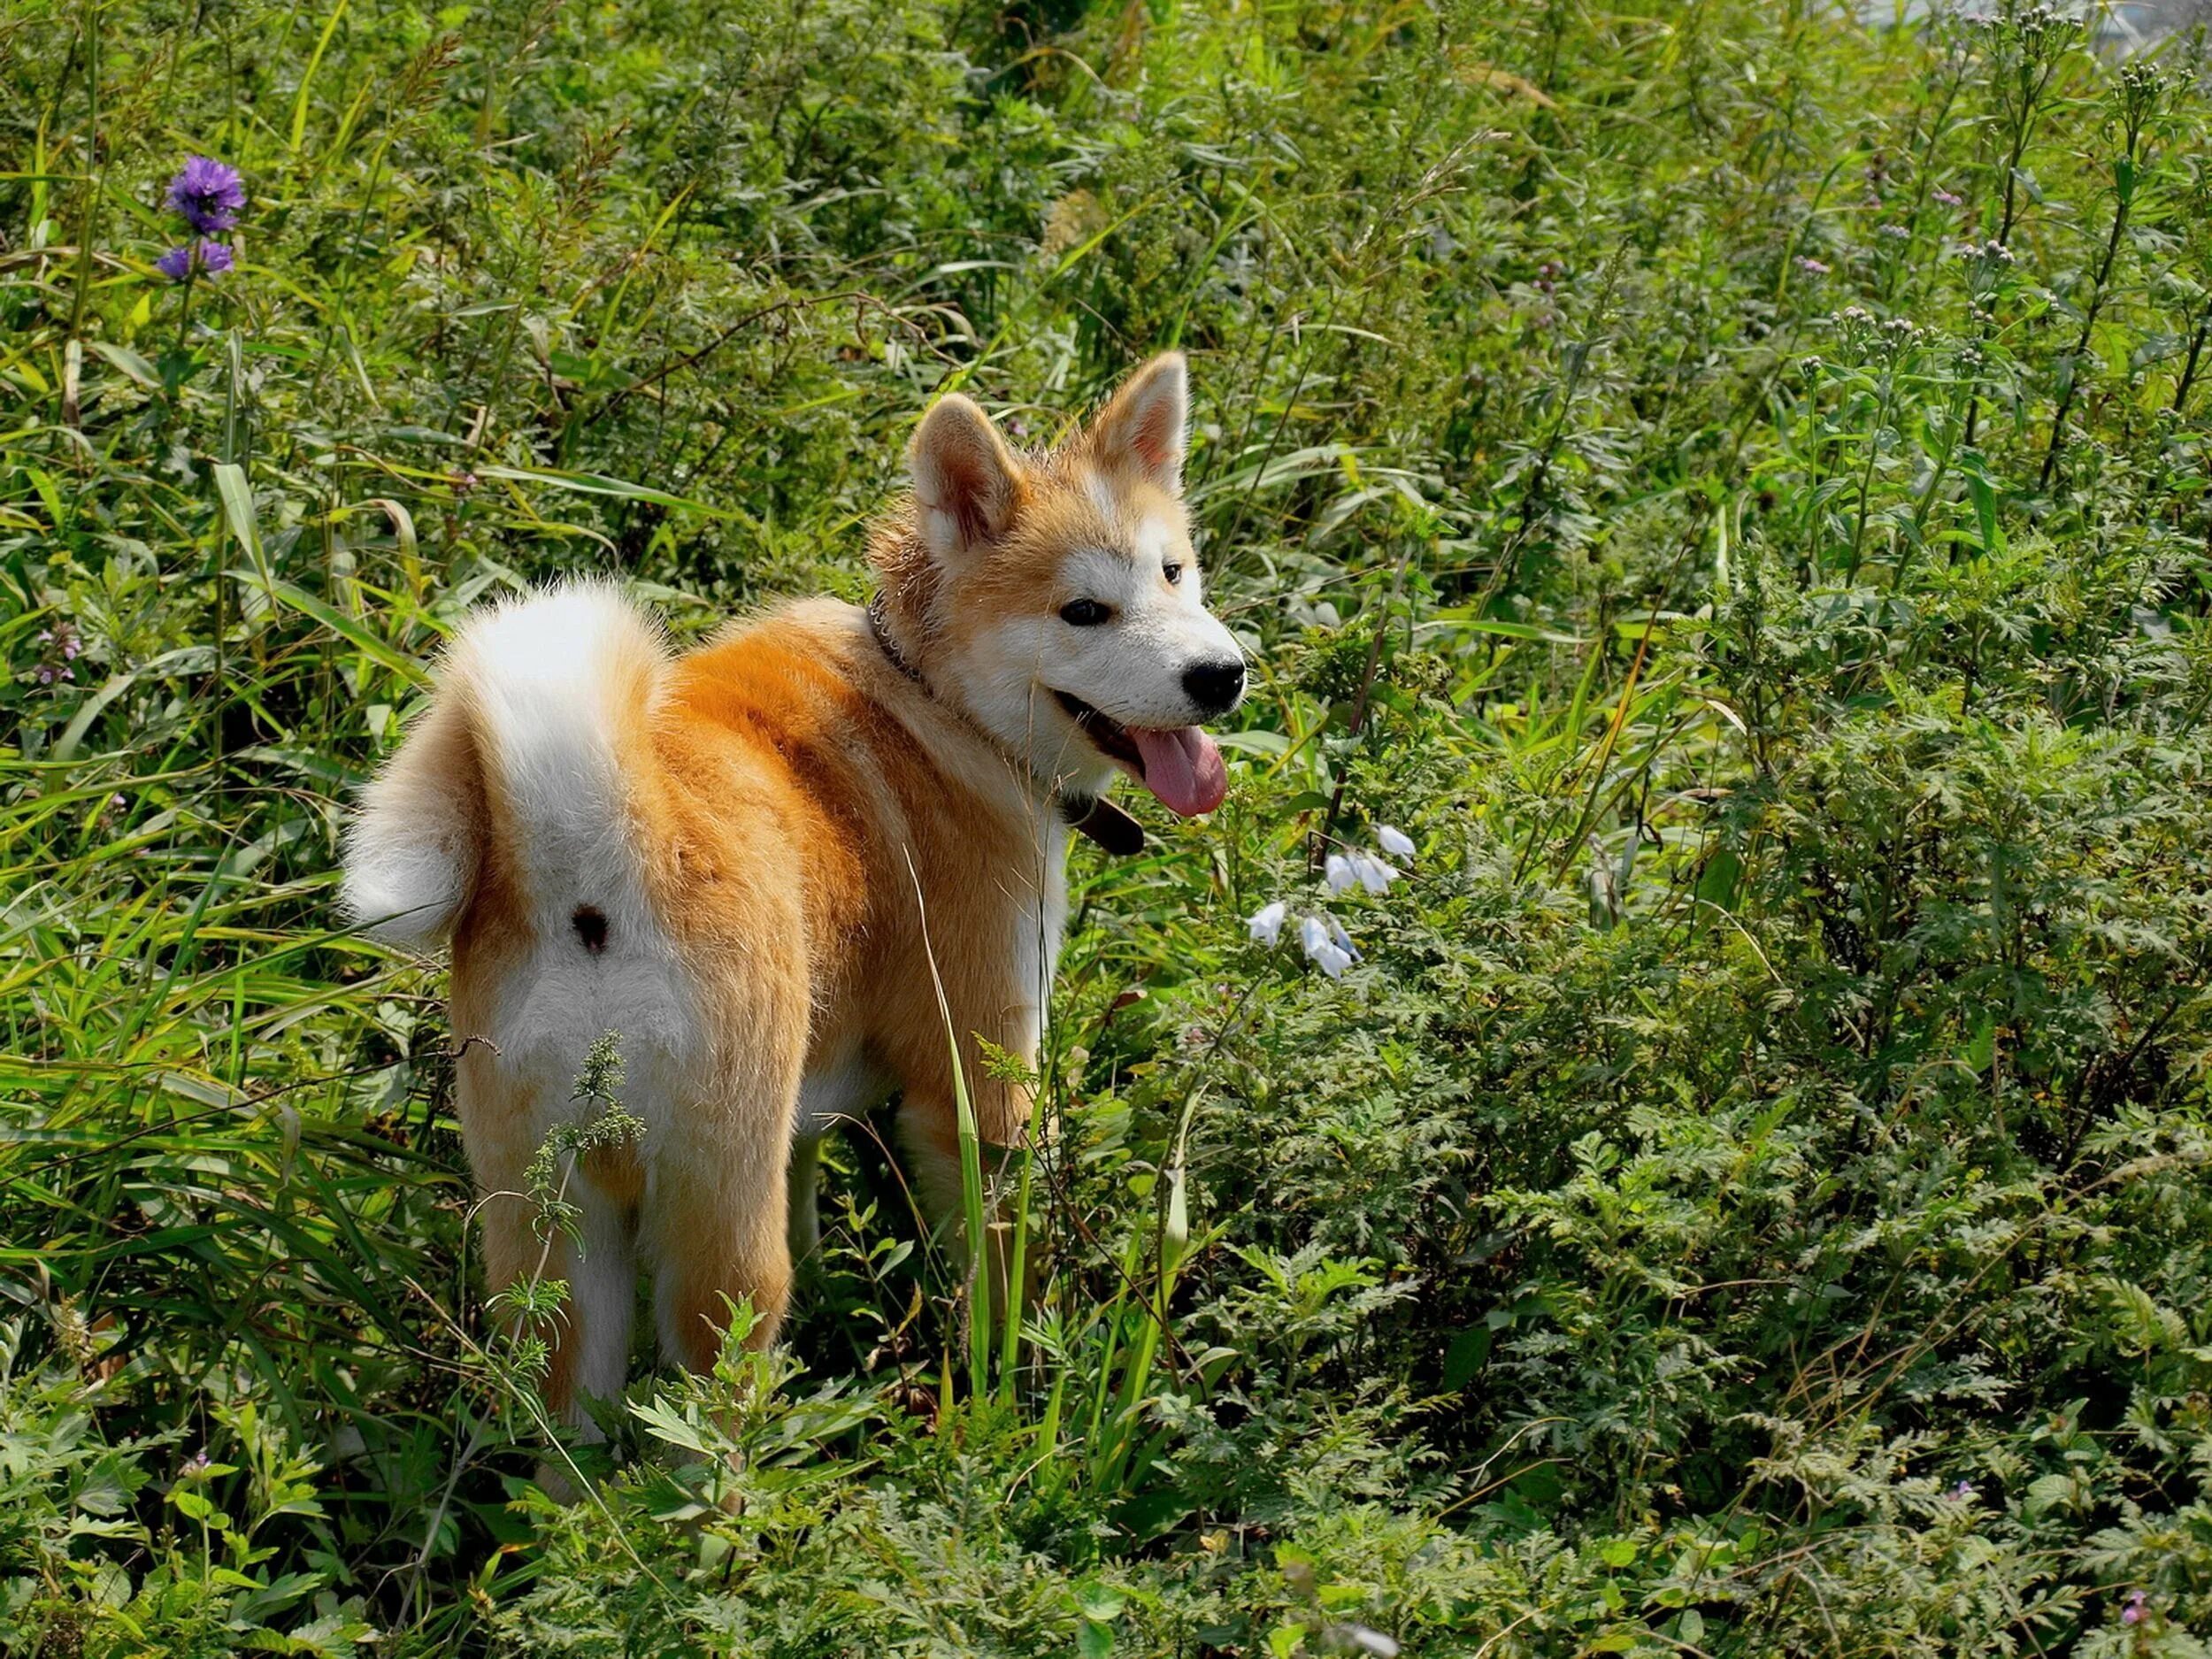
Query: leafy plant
x=1665, y=1114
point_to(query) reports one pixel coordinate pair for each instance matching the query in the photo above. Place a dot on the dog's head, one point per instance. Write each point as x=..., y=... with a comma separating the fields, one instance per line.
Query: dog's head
x=1055, y=598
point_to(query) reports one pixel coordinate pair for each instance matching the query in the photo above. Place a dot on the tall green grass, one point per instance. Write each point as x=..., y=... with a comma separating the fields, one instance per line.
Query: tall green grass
x=1730, y=484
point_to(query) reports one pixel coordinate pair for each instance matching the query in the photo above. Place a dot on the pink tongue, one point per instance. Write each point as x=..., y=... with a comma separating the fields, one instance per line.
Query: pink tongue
x=1183, y=768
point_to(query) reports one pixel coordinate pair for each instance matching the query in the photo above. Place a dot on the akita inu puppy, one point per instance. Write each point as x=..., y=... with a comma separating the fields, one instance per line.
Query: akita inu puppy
x=743, y=859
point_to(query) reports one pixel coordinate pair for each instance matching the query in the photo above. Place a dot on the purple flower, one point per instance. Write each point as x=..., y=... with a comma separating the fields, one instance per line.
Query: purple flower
x=1948, y=200
x=207, y=194
x=2133, y=1613
x=63, y=645
x=214, y=257
x=1813, y=265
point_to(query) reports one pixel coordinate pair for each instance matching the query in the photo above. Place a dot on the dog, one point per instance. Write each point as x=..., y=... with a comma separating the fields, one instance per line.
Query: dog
x=763, y=863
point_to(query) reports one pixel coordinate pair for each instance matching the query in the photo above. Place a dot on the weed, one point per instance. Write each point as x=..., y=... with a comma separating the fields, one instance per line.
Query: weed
x=1723, y=1172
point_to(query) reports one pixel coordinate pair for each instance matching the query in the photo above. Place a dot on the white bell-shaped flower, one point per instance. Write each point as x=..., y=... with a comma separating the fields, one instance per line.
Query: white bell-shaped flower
x=1327, y=954
x=1372, y=872
x=1342, y=940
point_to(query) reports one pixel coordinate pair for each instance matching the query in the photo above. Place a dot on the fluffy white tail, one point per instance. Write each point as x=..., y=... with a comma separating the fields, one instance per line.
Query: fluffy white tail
x=538, y=705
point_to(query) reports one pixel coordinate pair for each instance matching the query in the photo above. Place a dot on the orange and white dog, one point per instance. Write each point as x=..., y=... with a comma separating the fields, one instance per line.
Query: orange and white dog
x=742, y=860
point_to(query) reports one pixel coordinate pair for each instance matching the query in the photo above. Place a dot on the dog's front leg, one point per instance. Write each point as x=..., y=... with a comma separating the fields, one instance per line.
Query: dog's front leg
x=929, y=1135
x=804, y=1226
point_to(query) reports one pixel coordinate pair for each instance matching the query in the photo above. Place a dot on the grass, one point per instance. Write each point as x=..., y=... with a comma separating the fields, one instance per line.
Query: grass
x=1728, y=483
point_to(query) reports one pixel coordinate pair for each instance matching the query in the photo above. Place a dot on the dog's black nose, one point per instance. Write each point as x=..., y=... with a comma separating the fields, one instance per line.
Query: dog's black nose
x=1215, y=687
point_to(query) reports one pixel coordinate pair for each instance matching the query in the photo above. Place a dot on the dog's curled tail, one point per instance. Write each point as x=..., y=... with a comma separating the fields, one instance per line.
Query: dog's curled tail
x=530, y=747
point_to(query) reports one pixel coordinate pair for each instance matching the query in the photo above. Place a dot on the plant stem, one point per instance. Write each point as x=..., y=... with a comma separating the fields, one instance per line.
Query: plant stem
x=2023, y=126
x=2089, y=317
x=1866, y=472
x=89, y=232
x=2189, y=368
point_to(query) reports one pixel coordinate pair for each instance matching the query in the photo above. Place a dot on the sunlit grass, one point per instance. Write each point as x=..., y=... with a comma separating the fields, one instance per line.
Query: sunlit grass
x=1730, y=487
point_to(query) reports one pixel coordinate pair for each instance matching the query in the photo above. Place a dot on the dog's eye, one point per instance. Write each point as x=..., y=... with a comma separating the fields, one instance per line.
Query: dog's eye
x=1174, y=574
x=1084, y=613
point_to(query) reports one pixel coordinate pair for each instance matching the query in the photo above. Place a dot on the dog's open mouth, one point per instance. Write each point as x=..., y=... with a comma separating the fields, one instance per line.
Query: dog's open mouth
x=1179, y=764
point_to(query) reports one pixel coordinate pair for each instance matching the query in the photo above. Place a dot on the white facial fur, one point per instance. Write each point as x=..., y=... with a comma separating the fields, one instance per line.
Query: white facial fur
x=1129, y=667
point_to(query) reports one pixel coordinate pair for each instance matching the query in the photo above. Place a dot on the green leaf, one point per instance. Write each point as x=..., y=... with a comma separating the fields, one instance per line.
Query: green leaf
x=1269, y=743
x=665, y=1424
x=307, y=81
x=352, y=632
x=87, y=711
x=124, y=358
x=593, y=484
x=1716, y=883
x=1985, y=512
x=238, y=512
x=1983, y=1049
x=1466, y=1355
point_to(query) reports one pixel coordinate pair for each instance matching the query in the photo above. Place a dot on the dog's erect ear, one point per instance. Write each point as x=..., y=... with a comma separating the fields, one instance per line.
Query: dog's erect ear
x=1143, y=427
x=966, y=478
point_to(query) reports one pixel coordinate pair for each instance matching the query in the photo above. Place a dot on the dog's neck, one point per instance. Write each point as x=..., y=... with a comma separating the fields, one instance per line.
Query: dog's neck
x=880, y=626
x=1092, y=816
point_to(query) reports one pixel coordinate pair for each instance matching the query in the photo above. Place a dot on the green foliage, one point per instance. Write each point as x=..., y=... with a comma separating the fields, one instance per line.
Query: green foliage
x=210, y=1589
x=545, y=1178
x=1729, y=484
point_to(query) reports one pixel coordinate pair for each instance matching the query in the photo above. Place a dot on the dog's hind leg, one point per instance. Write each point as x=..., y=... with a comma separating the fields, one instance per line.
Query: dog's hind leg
x=588, y=1340
x=718, y=1207
x=717, y=1242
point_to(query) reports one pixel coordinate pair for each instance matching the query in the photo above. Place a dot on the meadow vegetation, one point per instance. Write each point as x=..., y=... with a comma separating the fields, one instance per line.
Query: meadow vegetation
x=1729, y=484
